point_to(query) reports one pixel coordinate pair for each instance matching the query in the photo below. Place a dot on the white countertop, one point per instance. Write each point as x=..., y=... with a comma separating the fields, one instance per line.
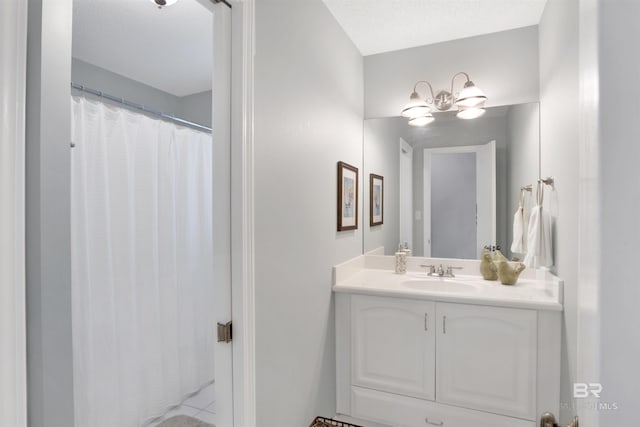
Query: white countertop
x=368, y=276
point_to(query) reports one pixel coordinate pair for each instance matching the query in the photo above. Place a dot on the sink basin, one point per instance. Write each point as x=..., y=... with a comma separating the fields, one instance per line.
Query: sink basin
x=439, y=285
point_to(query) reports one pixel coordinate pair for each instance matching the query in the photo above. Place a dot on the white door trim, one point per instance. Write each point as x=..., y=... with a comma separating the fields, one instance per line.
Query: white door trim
x=406, y=192
x=13, y=54
x=242, y=228
x=221, y=120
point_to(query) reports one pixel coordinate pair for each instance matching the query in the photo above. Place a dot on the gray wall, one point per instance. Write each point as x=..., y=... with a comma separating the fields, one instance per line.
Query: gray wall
x=308, y=116
x=559, y=120
x=196, y=107
x=617, y=294
x=382, y=157
x=504, y=65
x=523, y=134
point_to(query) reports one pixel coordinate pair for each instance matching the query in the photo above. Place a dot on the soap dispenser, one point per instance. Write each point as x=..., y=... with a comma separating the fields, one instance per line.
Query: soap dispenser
x=401, y=260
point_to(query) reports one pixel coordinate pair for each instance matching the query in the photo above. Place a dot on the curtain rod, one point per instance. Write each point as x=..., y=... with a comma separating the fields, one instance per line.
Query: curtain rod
x=140, y=107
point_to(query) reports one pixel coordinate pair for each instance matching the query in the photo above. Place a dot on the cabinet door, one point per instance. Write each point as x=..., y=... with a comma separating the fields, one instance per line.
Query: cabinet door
x=486, y=358
x=394, y=345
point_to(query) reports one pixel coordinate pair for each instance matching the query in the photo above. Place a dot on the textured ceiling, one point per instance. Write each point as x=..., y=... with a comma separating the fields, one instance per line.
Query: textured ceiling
x=377, y=26
x=170, y=49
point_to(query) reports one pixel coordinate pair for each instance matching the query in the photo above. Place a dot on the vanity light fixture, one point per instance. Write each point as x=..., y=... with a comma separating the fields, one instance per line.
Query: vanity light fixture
x=470, y=102
x=470, y=113
x=163, y=3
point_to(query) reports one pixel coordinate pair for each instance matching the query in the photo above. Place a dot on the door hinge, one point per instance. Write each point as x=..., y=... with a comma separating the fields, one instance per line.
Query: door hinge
x=224, y=332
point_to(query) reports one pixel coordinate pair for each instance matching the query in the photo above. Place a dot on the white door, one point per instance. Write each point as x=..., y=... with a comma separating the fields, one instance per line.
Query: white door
x=486, y=358
x=462, y=227
x=486, y=195
x=406, y=193
x=221, y=121
x=394, y=345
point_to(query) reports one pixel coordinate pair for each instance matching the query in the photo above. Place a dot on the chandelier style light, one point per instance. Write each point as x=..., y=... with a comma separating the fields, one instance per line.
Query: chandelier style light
x=470, y=102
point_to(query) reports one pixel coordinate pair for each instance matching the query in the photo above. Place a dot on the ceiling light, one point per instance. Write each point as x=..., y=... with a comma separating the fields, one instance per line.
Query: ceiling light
x=422, y=120
x=163, y=3
x=470, y=98
x=470, y=113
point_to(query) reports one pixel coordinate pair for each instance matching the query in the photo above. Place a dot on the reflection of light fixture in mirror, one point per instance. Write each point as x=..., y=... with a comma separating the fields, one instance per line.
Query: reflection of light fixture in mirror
x=470, y=113
x=421, y=120
x=470, y=102
x=163, y=3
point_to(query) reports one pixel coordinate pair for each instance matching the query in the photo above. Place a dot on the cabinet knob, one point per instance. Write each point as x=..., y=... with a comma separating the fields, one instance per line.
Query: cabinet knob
x=434, y=423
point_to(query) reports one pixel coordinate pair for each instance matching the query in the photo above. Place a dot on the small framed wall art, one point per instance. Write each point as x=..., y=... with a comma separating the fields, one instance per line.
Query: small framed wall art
x=347, y=197
x=376, y=199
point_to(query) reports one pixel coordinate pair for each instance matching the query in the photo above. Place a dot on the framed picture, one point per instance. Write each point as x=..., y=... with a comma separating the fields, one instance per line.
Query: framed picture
x=376, y=199
x=347, y=197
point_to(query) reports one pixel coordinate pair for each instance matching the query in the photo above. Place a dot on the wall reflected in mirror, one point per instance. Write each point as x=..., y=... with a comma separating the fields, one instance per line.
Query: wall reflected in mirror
x=452, y=186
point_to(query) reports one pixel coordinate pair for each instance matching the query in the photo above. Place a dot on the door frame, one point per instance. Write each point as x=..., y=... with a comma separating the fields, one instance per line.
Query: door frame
x=428, y=152
x=221, y=200
x=242, y=213
x=13, y=372
x=405, y=152
x=49, y=50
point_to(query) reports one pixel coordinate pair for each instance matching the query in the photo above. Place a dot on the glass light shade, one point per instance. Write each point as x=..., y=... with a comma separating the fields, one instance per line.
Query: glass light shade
x=470, y=113
x=422, y=120
x=416, y=107
x=470, y=96
x=163, y=3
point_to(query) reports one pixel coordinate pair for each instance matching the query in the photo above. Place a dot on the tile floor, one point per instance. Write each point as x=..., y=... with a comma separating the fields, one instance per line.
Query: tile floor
x=200, y=406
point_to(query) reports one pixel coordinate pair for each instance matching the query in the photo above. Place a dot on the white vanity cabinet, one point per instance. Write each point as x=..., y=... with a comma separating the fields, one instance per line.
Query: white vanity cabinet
x=416, y=362
x=487, y=358
x=386, y=359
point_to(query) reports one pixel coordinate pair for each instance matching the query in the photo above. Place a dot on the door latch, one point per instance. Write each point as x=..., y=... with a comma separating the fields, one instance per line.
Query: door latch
x=224, y=332
x=549, y=420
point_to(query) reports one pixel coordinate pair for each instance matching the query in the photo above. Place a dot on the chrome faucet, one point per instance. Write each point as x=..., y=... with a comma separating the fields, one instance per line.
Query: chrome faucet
x=450, y=269
x=440, y=271
x=432, y=269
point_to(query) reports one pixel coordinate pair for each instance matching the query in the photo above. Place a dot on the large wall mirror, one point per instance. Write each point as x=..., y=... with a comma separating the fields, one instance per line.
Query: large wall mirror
x=451, y=187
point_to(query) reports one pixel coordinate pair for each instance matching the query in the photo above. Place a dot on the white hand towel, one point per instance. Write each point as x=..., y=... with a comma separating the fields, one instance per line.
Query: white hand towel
x=539, y=239
x=519, y=244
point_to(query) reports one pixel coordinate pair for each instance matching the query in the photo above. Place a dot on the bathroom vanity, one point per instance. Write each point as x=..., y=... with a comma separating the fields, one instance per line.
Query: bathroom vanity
x=418, y=350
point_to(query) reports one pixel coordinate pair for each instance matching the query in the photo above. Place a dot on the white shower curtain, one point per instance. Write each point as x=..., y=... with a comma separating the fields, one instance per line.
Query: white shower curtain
x=142, y=251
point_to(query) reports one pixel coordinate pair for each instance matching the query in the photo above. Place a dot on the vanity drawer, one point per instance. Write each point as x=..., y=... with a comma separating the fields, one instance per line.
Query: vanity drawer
x=402, y=411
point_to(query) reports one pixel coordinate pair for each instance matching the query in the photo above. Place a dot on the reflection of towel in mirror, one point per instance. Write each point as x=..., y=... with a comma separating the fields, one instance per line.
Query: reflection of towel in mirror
x=539, y=243
x=519, y=244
